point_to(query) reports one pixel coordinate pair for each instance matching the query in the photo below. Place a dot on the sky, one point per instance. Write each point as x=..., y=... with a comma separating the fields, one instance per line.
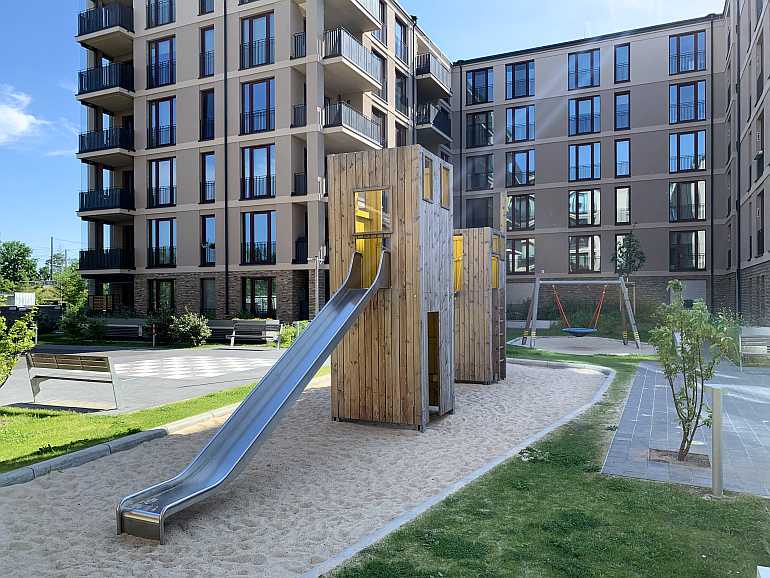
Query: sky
x=40, y=118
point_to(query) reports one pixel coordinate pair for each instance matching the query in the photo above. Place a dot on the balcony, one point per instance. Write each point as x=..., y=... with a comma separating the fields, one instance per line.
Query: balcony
x=257, y=53
x=584, y=124
x=207, y=64
x=112, y=147
x=106, y=259
x=260, y=187
x=160, y=12
x=347, y=129
x=300, y=251
x=162, y=136
x=208, y=192
x=434, y=126
x=350, y=67
x=161, y=74
x=355, y=15
x=299, y=45
x=299, y=116
x=208, y=254
x=108, y=29
x=684, y=258
x=158, y=197
x=159, y=257
x=118, y=200
x=258, y=121
x=259, y=253
x=110, y=87
x=434, y=80
x=300, y=185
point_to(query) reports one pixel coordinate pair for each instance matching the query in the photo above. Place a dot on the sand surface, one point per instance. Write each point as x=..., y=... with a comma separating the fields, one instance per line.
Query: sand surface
x=588, y=345
x=315, y=487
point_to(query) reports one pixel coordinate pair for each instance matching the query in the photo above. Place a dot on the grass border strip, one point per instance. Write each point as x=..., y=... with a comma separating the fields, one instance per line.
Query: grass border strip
x=337, y=560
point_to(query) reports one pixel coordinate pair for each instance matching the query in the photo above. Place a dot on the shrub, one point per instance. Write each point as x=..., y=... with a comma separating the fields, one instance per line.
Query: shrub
x=189, y=329
x=162, y=321
x=14, y=342
x=74, y=323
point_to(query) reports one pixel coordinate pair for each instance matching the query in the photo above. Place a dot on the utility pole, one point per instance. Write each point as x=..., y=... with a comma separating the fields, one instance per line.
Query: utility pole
x=52, y=259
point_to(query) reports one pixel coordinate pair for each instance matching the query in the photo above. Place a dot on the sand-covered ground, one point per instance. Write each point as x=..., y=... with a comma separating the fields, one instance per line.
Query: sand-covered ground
x=314, y=488
x=588, y=345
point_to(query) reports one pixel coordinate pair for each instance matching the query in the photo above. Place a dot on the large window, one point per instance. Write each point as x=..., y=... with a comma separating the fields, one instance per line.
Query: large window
x=520, y=213
x=480, y=129
x=208, y=240
x=479, y=86
x=687, y=201
x=622, y=206
x=623, y=63
x=520, y=123
x=258, y=172
x=520, y=168
x=160, y=295
x=258, y=298
x=623, y=158
x=161, y=62
x=257, y=40
x=687, y=250
x=480, y=173
x=584, y=69
x=585, y=208
x=209, y=298
x=585, y=254
x=585, y=115
x=687, y=101
x=520, y=79
x=161, y=183
x=760, y=224
x=585, y=162
x=402, y=39
x=258, y=238
x=520, y=256
x=402, y=94
x=258, y=106
x=161, y=243
x=161, y=122
x=207, y=114
x=687, y=151
x=208, y=177
x=207, y=52
x=478, y=213
x=382, y=93
x=622, y=111
x=687, y=52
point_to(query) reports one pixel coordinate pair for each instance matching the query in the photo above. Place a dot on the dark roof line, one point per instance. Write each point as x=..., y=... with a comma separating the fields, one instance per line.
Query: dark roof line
x=621, y=34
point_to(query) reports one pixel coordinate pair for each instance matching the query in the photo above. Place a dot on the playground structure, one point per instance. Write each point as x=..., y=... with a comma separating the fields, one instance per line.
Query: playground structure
x=626, y=311
x=479, y=321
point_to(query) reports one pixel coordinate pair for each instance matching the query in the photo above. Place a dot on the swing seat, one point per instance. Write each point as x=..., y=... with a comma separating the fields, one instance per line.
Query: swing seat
x=579, y=331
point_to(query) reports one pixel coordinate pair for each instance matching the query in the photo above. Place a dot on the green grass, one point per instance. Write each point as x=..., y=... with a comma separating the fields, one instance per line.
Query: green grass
x=555, y=516
x=29, y=435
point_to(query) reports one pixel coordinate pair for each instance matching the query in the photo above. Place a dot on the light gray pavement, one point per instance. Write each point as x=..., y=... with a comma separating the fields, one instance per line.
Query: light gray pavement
x=649, y=421
x=148, y=377
x=587, y=345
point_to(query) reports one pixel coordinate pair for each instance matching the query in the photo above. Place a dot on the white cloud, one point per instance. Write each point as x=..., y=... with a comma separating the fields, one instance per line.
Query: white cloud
x=15, y=122
x=62, y=153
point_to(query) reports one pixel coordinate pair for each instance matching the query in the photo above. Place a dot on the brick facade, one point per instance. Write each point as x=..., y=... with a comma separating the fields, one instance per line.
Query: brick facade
x=755, y=297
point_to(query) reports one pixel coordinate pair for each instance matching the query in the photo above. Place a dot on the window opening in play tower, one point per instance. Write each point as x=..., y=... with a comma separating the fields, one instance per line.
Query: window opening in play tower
x=373, y=229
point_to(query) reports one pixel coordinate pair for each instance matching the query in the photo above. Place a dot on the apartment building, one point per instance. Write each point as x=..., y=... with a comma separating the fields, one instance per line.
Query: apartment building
x=207, y=125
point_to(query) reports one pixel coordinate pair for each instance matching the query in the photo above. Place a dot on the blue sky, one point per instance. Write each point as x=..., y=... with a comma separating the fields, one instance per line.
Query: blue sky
x=40, y=119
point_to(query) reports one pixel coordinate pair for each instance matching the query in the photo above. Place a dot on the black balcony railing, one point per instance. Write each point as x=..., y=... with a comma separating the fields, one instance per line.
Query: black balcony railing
x=519, y=178
x=622, y=117
x=300, y=251
x=687, y=212
x=479, y=94
x=161, y=74
x=113, y=75
x=160, y=12
x=258, y=53
x=429, y=64
x=104, y=199
x=262, y=187
x=207, y=63
x=104, y=17
x=686, y=111
x=436, y=116
x=479, y=136
x=520, y=132
x=584, y=78
x=340, y=42
x=480, y=181
x=161, y=136
x=299, y=115
x=161, y=197
x=208, y=254
x=161, y=256
x=688, y=163
x=258, y=121
x=622, y=72
x=299, y=45
x=342, y=114
x=207, y=128
x=258, y=253
x=402, y=52
x=100, y=259
x=585, y=172
x=300, y=185
x=208, y=192
x=111, y=138
x=687, y=62
x=519, y=88
x=584, y=123
x=684, y=258
x=622, y=216
x=622, y=168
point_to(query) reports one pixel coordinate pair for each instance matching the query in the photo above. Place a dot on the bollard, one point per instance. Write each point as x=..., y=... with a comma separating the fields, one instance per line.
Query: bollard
x=716, y=441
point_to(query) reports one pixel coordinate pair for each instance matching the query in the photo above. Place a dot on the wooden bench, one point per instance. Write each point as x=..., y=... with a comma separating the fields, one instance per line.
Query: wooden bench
x=220, y=330
x=88, y=368
x=127, y=331
x=254, y=330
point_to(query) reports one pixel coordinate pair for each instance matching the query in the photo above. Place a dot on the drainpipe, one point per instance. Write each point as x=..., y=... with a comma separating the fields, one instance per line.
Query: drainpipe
x=738, y=304
x=414, y=79
x=227, y=165
x=711, y=156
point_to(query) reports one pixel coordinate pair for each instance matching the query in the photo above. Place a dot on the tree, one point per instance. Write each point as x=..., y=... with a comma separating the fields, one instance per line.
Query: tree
x=72, y=287
x=17, y=265
x=44, y=274
x=15, y=342
x=629, y=257
x=690, y=344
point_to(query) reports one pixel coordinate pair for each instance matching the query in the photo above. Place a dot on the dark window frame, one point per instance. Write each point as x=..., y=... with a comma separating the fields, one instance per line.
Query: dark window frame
x=699, y=50
x=675, y=266
x=471, y=128
x=510, y=123
x=248, y=219
x=678, y=106
x=529, y=204
x=573, y=69
x=595, y=174
x=594, y=212
x=626, y=45
x=204, y=183
x=155, y=63
x=203, y=69
x=528, y=244
x=595, y=255
x=153, y=229
x=675, y=208
x=204, y=244
x=619, y=188
x=696, y=150
x=153, y=120
x=471, y=92
x=204, y=128
x=153, y=175
x=203, y=310
x=248, y=92
x=619, y=175
x=153, y=295
x=490, y=171
x=511, y=83
x=531, y=170
x=269, y=177
x=573, y=120
x=271, y=297
x=268, y=39
x=628, y=113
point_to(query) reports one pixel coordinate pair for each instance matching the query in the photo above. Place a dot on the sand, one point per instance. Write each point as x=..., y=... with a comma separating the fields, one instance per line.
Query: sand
x=588, y=345
x=315, y=487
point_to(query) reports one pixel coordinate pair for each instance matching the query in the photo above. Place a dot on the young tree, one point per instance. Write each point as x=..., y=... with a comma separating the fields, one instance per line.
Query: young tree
x=14, y=342
x=71, y=285
x=629, y=257
x=17, y=265
x=690, y=344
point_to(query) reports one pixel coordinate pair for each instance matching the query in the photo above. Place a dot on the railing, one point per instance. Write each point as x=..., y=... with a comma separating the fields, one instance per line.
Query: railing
x=371, y=6
x=258, y=121
x=208, y=254
x=161, y=197
x=519, y=178
x=300, y=251
x=261, y=253
x=480, y=181
x=585, y=172
x=106, y=303
x=685, y=111
x=522, y=131
x=262, y=187
x=402, y=52
x=113, y=75
x=299, y=115
x=300, y=185
x=687, y=212
x=110, y=138
x=584, y=263
x=340, y=42
x=161, y=136
x=584, y=78
x=429, y=64
x=299, y=45
x=342, y=114
x=683, y=258
x=208, y=192
x=160, y=12
x=161, y=74
x=687, y=62
x=622, y=168
x=207, y=63
x=622, y=216
x=622, y=117
x=102, y=199
x=622, y=72
x=207, y=128
x=429, y=113
x=104, y=17
x=161, y=256
x=99, y=259
x=478, y=94
x=584, y=123
x=480, y=136
x=688, y=163
x=520, y=88
x=258, y=52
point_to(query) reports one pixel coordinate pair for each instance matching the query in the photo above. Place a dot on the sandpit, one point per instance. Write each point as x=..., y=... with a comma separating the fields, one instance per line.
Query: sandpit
x=588, y=345
x=314, y=488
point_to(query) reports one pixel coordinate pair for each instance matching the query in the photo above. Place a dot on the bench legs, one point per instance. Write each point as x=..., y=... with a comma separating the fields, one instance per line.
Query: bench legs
x=34, y=383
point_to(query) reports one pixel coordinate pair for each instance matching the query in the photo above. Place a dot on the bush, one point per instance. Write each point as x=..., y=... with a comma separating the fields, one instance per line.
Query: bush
x=14, y=342
x=162, y=321
x=77, y=326
x=189, y=329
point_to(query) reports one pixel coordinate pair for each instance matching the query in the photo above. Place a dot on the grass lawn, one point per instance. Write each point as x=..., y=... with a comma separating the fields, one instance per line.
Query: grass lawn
x=555, y=516
x=28, y=435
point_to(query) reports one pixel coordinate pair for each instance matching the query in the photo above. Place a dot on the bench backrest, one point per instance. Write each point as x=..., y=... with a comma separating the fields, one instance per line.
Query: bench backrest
x=257, y=327
x=68, y=362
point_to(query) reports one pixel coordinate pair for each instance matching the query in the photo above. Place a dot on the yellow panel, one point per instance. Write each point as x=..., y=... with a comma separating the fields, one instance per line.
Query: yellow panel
x=458, y=261
x=445, y=187
x=373, y=221
x=427, y=178
x=495, y=272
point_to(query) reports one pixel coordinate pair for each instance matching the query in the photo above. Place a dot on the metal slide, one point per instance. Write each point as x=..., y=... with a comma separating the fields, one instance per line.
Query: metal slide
x=144, y=513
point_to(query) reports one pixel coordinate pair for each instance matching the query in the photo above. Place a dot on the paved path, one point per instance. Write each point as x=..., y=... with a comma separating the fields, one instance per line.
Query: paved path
x=149, y=377
x=649, y=421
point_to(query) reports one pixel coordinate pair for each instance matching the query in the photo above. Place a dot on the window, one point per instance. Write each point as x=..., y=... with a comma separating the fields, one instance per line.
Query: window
x=622, y=111
x=208, y=179
x=585, y=115
x=208, y=240
x=520, y=213
x=520, y=124
x=402, y=94
x=258, y=106
x=160, y=295
x=687, y=52
x=207, y=52
x=585, y=254
x=258, y=238
x=257, y=41
x=479, y=86
x=381, y=119
x=381, y=33
x=160, y=12
x=585, y=208
x=687, y=201
x=729, y=245
x=585, y=162
x=623, y=158
x=446, y=187
x=480, y=129
x=480, y=174
x=760, y=224
x=161, y=246
x=687, y=102
x=209, y=298
x=478, y=213
x=520, y=168
x=584, y=69
x=402, y=138
x=687, y=151
x=687, y=250
x=622, y=206
x=161, y=122
x=622, y=63
x=401, y=37
x=619, y=240
x=258, y=298
x=206, y=6
x=161, y=62
x=382, y=93
x=258, y=172
x=161, y=183
x=427, y=178
x=207, y=114
x=520, y=79
x=520, y=256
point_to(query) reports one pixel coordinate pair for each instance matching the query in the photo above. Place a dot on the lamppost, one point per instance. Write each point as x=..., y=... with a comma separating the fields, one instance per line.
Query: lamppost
x=318, y=260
